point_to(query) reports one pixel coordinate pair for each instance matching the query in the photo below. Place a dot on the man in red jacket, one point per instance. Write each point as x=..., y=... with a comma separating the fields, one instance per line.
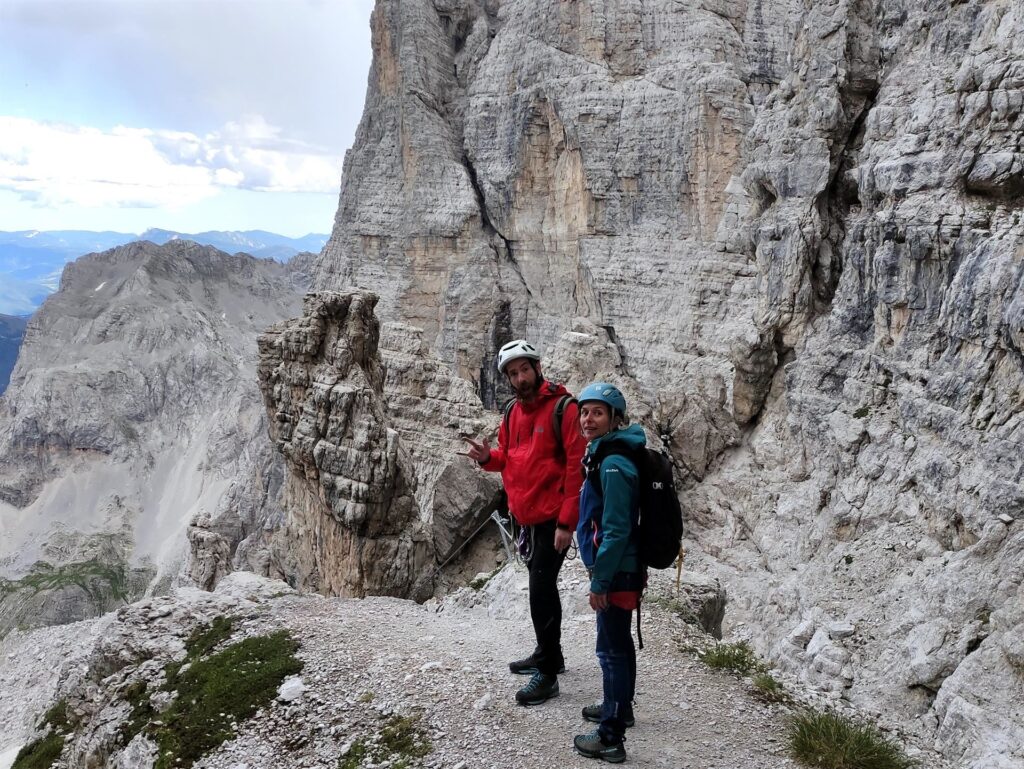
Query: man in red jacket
x=539, y=460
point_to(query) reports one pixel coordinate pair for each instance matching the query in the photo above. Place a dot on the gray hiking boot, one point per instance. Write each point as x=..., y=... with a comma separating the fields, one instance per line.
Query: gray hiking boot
x=541, y=688
x=593, y=713
x=592, y=746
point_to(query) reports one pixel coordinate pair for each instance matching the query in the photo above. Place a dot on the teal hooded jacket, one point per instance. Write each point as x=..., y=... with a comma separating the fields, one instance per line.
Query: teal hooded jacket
x=607, y=518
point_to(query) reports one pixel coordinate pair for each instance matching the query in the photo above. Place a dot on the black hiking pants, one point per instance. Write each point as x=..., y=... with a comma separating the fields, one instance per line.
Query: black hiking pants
x=545, y=605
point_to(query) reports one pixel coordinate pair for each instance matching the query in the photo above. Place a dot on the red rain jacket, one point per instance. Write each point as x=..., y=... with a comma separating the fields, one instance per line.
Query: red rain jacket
x=542, y=480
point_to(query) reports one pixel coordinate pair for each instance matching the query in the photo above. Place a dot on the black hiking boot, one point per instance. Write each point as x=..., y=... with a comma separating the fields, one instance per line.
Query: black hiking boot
x=528, y=666
x=593, y=713
x=592, y=746
x=541, y=688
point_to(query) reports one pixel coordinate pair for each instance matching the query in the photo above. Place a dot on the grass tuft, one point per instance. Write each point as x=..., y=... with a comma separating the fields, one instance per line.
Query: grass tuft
x=404, y=738
x=479, y=583
x=355, y=756
x=767, y=689
x=831, y=741
x=736, y=657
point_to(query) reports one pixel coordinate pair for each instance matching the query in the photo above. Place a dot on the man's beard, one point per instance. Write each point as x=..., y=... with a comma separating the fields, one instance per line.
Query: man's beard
x=526, y=391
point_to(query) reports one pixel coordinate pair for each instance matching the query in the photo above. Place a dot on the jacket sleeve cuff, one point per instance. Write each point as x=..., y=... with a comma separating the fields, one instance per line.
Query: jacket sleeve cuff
x=492, y=464
x=569, y=515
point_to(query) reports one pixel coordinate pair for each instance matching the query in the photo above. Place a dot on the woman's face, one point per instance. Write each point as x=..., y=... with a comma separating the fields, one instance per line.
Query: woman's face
x=595, y=419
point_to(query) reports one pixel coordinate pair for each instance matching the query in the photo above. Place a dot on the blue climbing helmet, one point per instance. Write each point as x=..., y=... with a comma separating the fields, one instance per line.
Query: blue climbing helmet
x=605, y=393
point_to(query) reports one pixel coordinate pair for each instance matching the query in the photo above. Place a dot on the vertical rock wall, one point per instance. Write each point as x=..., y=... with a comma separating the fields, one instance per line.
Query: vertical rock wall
x=883, y=484
x=793, y=232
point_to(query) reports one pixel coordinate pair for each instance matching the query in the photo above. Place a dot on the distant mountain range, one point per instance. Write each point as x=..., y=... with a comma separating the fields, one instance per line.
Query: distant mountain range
x=31, y=261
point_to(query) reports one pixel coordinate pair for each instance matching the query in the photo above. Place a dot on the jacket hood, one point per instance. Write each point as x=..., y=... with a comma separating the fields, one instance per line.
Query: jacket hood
x=632, y=436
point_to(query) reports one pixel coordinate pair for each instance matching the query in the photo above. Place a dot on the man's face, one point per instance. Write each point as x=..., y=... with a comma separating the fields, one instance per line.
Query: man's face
x=595, y=419
x=522, y=376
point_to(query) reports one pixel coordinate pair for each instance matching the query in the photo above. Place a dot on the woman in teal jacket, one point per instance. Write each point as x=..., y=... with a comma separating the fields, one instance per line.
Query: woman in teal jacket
x=609, y=502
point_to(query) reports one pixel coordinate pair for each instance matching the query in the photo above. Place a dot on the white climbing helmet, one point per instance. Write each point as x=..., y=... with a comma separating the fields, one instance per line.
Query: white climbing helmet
x=518, y=348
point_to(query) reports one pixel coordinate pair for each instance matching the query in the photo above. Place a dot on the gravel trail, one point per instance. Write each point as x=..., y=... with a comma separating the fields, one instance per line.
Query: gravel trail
x=367, y=659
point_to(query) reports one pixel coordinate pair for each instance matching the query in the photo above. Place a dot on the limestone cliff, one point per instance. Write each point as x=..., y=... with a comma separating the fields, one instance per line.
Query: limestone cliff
x=794, y=233
x=134, y=409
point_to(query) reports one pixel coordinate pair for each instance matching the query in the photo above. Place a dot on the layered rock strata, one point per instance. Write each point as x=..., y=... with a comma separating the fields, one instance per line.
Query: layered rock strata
x=353, y=524
x=430, y=409
x=794, y=235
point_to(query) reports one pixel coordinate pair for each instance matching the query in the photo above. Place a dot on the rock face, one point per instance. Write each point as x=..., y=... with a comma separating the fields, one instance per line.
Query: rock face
x=12, y=331
x=369, y=425
x=353, y=525
x=793, y=233
x=133, y=409
x=430, y=408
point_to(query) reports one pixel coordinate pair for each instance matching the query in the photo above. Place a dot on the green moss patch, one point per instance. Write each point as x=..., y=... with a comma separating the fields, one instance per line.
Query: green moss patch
x=217, y=692
x=479, y=583
x=675, y=606
x=136, y=695
x=831, y=741
x=401, y=744
x=40, y=754
x=206, y=638
x=57, y=717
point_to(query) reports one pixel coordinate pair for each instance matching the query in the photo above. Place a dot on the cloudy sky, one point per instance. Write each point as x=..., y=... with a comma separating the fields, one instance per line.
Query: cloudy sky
x=188, y=115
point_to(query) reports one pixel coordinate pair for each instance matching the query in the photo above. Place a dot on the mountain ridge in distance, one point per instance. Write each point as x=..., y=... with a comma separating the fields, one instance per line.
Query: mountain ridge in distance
x=31, y=261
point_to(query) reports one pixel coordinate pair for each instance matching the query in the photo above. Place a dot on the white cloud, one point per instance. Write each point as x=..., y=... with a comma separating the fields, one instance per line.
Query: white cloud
x=57, y=164
x=191, y=64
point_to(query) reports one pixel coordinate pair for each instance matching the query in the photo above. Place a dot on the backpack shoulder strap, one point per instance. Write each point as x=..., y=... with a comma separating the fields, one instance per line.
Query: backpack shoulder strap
x=604, y=451
x=507, y=409
x=564, y=401
x=557, y=416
